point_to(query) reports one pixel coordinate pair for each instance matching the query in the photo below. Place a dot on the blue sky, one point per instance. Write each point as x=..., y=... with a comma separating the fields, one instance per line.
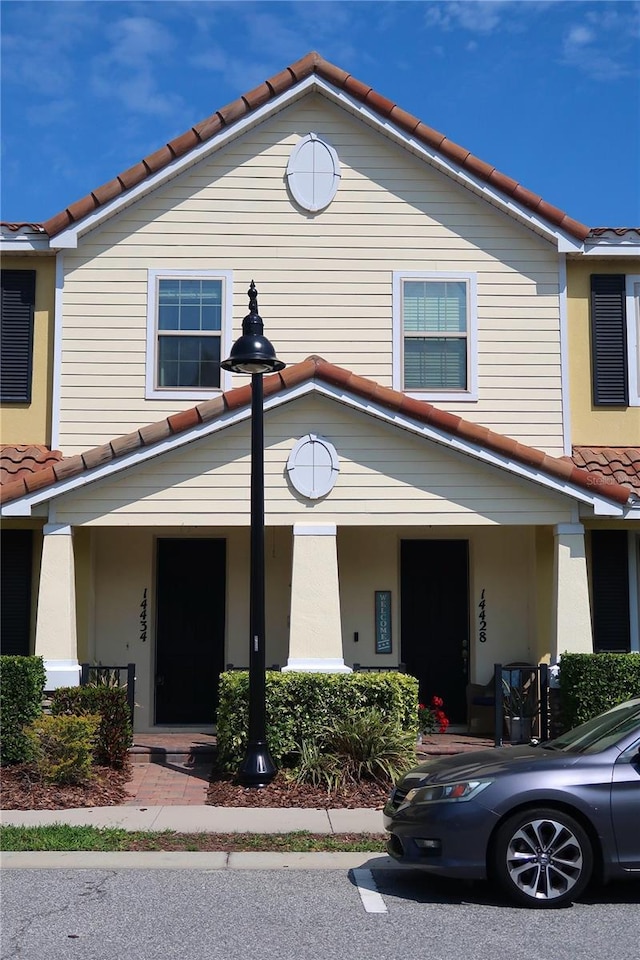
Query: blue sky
x=546, y=90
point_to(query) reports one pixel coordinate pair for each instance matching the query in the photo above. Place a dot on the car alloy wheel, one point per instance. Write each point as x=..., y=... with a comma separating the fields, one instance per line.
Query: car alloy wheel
x=542, y=858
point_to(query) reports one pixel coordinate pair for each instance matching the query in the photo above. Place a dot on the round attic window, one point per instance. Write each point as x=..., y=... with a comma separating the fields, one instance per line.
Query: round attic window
x=313, y=173
x=313, y=466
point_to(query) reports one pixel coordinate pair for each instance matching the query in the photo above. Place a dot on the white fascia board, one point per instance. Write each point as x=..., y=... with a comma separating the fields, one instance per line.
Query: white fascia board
x=69, y=237
x=565, y=241
x=32, y=244
x=24, y=506
x=601, y=506
x=603, y=249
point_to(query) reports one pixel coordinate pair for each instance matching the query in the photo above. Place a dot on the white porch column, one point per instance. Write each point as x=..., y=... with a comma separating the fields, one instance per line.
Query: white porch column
x=315, y=631
x=56, y=637
x=572, y=610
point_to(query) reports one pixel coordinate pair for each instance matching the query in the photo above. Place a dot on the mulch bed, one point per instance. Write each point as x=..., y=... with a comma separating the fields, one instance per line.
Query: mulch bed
x=22, y=789
x=281, y=792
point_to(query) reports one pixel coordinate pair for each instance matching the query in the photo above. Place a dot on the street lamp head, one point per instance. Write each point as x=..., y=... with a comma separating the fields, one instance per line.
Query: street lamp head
x=252, y=352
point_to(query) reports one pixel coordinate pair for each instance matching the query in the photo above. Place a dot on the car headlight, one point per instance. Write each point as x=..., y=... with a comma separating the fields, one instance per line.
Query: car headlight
x=458, y=792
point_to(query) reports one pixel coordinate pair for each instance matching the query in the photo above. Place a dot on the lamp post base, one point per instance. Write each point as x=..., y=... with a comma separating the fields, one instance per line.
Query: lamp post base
x=257, y=769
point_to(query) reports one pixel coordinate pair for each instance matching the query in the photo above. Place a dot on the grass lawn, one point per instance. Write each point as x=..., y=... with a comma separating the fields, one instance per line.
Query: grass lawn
x=107, y=839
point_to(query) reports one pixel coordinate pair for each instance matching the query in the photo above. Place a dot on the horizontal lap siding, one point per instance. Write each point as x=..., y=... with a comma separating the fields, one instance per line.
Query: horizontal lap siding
x=324, y=280
x=387, y=476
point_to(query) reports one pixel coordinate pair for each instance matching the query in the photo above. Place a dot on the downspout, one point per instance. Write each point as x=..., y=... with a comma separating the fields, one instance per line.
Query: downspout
x=57, y=352
x=564, y=355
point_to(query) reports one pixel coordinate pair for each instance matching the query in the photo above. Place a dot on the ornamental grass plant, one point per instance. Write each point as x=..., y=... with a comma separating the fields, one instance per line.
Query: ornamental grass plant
x=365, y=746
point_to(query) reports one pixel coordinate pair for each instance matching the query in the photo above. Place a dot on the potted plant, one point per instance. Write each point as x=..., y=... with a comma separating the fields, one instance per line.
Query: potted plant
x=520, y=704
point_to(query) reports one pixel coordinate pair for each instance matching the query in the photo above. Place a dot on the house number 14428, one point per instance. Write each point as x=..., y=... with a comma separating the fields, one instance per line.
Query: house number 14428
x=482, y=618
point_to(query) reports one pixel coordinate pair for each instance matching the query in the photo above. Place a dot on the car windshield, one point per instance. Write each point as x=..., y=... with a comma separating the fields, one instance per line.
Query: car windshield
x=600, y=732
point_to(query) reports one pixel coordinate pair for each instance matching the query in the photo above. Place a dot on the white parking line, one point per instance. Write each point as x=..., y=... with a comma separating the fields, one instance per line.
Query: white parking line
x=371, y=899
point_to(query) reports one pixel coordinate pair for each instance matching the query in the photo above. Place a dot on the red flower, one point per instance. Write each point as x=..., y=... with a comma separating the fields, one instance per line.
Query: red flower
x=433, y=717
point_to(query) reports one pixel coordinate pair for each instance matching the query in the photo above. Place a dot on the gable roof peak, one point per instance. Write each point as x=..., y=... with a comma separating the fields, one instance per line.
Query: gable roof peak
x=311, y=64
x=315, y=368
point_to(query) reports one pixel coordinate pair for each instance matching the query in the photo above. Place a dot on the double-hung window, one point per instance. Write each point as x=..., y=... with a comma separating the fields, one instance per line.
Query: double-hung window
x=434, y=335
x=188, y=323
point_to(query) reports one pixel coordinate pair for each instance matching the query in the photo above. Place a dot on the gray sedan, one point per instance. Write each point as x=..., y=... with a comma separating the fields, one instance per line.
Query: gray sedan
x=541, y=820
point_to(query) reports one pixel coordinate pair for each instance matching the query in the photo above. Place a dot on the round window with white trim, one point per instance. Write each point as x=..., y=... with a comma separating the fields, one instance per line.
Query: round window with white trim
x=313, y=173
x=313, y=467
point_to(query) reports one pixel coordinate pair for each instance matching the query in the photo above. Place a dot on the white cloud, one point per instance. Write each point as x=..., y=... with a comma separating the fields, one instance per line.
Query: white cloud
x=131, y=69
x=587, y=44
x=480, y=16
x=578, y=36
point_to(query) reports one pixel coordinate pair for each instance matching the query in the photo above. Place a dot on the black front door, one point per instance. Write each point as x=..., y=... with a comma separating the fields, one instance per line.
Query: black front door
x=190, y=587
x=434, y=611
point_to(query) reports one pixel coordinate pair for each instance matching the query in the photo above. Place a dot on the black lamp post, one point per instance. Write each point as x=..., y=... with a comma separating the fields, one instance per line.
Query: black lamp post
x=253, y=354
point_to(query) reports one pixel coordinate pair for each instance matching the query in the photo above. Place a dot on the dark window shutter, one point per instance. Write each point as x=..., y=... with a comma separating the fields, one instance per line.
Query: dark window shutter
x=610, y=591
x=15, y=599
x=609, y=340
x=16, y=346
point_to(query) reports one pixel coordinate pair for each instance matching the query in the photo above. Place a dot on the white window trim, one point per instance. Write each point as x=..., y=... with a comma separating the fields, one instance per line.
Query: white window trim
x=176, y=393
x=633, y=337
x=446, y=396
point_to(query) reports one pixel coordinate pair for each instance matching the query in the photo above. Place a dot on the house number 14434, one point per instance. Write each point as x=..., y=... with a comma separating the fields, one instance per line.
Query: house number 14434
x=143, y=616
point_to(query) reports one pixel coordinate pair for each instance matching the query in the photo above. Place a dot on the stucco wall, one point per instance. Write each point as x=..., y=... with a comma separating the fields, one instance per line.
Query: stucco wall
x=501, y=564
x=31, y=422
x=593, y=426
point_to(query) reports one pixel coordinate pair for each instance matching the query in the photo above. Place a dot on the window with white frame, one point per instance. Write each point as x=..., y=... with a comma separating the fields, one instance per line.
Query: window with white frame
x=186, y=332
x=633, y=338
x=435, y=323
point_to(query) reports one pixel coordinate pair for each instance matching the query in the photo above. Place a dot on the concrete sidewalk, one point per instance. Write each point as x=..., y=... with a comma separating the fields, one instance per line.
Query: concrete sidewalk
x=204, y=819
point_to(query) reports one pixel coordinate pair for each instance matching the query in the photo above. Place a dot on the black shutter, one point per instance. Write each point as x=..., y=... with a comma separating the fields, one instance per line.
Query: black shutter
x=610, y=591
x=15, y=598
x=609, y=340
x=16, y=346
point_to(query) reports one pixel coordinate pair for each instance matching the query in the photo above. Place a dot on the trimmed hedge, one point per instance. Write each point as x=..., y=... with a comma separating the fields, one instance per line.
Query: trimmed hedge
x=301, y=704
x=114, y=736
x=593, y=682
x=22, y=682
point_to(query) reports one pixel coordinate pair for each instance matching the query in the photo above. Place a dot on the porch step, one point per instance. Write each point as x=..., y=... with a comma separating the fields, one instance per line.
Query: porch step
x=446, y=744
x=174, y=749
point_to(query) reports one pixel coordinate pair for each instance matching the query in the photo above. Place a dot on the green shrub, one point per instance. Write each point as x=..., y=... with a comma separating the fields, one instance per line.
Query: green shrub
x=299, y=705
x=22, y=682
x=593, y=682
x=364, y=746
x=63, y=747
x=114, y=736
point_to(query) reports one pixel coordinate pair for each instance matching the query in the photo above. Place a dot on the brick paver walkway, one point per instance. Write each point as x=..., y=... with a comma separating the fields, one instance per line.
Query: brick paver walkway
x=180, y=783
x=154, y=785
